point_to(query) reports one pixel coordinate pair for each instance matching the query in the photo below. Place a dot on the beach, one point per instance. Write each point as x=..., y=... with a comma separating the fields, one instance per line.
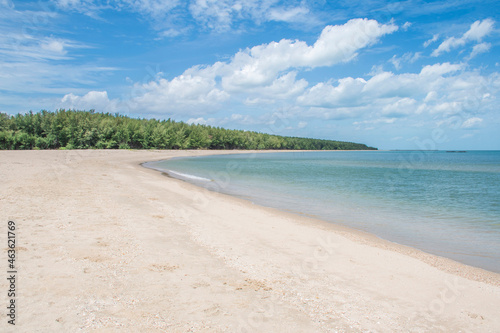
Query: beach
x=103, y=243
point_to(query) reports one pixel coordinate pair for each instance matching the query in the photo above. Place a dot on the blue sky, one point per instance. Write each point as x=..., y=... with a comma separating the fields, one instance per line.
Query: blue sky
x=391, y=74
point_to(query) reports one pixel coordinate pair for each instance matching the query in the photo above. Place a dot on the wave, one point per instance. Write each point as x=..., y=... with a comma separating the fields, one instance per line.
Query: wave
x=176, y=174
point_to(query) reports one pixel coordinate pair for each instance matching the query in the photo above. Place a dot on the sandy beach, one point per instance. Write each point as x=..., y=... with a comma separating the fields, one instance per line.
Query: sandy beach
x=104, y=244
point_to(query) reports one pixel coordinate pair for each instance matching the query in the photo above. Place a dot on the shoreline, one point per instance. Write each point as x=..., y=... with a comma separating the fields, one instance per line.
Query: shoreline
x=104, y=243
x=445, y=264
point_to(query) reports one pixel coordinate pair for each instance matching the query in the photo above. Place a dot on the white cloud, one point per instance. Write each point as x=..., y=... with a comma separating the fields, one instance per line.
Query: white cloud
x=97, y=100
x=261, y=64
x=447, y=45
x=221, y=15
x=171, y=32
x=472, y=122
x=406, y=26
x=216, y=14
x=478, y=30
x=185, y=94
x=282, y=88
x=432, y=40
x=479, y=48
x=201, y=121
x=53, y=46
x=31, y=62
x=159, y=12
x=439, y=90
x=234, y=118
x=42, y=76
x=430, y=97
x=242, y=119
x=325, y=95
x=168, y=17
x=402, y=107
x=339, y=113
x=396, y=62
x=261, y=73
x=408, y=57
x=154, y=8
x=90, y=8
x=440, y=69
x=19, y=46
x=288, y=15
x=447, y=108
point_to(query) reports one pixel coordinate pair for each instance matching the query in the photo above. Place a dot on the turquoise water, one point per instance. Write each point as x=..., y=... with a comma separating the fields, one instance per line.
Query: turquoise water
x=445, y=203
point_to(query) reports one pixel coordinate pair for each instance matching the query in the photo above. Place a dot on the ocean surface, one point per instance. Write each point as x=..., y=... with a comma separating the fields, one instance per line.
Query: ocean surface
x=444, y=203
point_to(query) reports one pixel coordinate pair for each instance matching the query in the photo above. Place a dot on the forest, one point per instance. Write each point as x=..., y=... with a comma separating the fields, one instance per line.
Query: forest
x=72, y=129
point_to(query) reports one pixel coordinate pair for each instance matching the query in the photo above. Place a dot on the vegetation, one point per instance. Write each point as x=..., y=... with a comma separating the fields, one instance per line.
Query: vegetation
x=69, y=129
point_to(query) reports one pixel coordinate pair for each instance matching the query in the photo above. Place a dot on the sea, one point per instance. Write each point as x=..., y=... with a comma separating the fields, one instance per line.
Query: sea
x=442, y=202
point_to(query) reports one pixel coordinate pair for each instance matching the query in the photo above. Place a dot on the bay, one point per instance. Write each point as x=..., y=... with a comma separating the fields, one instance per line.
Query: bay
x=444, y=203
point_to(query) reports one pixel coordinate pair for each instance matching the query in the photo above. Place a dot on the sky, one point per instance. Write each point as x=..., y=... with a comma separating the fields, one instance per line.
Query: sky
x=391, y=74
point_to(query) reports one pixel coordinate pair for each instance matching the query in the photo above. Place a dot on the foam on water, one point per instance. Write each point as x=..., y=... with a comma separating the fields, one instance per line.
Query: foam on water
x=186, y=176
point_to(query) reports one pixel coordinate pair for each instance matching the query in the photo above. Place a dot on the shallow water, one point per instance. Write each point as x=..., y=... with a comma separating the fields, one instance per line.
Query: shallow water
x=441, y=202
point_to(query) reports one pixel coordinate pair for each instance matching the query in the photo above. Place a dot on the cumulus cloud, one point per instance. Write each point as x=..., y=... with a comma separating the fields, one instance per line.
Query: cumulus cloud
x=447, y=45
x=440, y=69
x=478, y=30
x=97, y=100
x=340, y=43
x=439, y=89
x=263, y=72
x=282, y=88
x=185, y=94
x=326, y=95
x=400, y=108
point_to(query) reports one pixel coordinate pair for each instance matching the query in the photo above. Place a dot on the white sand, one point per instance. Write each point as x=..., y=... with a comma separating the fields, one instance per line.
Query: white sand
x=105, y=244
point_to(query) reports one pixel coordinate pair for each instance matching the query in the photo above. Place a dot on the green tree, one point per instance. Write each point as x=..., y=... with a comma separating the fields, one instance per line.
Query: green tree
x=73, y=129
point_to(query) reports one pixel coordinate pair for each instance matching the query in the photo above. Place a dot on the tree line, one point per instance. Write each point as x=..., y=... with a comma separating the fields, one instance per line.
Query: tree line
x=71, y=129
